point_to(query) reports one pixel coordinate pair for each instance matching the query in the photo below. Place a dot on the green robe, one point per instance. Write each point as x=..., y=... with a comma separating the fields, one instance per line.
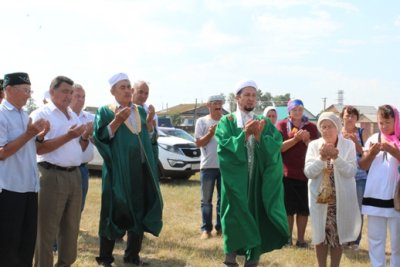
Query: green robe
x=253, y=214
x=131, y=198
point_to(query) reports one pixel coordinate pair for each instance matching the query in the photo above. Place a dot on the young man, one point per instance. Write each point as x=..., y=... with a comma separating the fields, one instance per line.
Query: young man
x=253, y=214
x=210, y=175
x=19, y=179
x=131, y=198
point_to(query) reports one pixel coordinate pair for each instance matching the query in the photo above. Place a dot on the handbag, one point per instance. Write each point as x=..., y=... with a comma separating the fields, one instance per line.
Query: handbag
x=396, y=198
x=325, y=188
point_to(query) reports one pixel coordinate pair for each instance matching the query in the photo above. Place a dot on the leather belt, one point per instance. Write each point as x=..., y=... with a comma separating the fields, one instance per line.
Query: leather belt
x=48, y=165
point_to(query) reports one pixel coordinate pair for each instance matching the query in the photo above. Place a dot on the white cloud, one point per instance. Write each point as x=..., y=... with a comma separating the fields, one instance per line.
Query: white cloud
x=211, y=37
x=397, y=22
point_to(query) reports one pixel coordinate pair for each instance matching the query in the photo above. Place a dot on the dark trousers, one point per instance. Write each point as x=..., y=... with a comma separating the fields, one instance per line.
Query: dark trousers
x=133, y=247
x=18, y=225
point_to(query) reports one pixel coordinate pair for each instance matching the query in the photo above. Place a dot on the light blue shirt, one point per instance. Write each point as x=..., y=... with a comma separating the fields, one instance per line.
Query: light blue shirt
x=18, y=173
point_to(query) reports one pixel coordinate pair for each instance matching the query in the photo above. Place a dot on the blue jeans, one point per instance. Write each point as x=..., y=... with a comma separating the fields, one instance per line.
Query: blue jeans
x=85, y=182
x=208, y=179
x=360, y=187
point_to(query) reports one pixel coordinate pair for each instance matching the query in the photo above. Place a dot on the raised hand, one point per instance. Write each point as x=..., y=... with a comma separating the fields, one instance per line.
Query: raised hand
x=122, y=114
x=45, y=129
x=35, y=128
x=76, y=131
x=259, y=129
x=88, y=130
x=151, y=113
x=212, y=128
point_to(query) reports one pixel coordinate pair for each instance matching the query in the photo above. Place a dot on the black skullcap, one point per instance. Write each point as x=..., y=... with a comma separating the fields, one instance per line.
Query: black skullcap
x=16, y=78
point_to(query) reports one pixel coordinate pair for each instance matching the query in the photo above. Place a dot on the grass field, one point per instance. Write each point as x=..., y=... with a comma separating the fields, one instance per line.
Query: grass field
x=179, y=243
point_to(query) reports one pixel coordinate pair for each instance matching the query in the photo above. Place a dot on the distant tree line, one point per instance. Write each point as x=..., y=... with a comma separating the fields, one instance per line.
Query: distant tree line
x=265, y=99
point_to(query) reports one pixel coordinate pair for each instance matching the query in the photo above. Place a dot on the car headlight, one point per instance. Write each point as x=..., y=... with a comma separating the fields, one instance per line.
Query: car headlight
x=176, y=163
x=169, y=148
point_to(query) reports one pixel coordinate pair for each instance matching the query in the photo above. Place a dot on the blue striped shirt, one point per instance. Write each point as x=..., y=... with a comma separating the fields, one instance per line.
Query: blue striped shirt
x=18, y=173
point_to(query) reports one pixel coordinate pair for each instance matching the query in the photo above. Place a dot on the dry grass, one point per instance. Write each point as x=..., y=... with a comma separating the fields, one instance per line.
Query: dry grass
x=179, y=243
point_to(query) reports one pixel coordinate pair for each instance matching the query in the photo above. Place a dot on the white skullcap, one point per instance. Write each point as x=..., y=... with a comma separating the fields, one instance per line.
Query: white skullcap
x=244, y=84
x=116, y=78
x=331, y=117
x=216, y=98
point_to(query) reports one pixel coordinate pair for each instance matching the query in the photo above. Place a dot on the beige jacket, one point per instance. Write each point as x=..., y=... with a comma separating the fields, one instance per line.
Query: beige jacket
x=347, y=210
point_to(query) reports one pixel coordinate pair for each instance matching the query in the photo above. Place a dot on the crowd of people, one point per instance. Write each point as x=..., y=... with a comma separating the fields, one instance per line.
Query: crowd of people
x=268, y=175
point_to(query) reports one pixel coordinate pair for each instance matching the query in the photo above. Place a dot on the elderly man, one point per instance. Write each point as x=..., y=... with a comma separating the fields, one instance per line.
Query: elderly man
x=18, y=185
x=59, y=156
x=210, y=175
x=139, y=97
x=131, y=198
x=253, y=214
x=77, y=104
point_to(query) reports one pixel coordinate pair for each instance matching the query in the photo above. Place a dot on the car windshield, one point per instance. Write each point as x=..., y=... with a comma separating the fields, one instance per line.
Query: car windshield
x=178, y=133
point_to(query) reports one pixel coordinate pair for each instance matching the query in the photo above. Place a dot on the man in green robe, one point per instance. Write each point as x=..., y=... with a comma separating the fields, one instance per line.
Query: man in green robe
x=253, y=214
x=131, y=199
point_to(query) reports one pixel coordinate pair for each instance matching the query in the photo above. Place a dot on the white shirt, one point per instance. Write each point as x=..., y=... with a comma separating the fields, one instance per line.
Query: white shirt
x=70, y=153
x=381, y=181
x=208, y=157
x=88, y=154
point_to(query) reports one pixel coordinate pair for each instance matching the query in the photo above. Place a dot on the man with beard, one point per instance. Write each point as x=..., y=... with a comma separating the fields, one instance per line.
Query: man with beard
x=210, y=175
x=253, y=214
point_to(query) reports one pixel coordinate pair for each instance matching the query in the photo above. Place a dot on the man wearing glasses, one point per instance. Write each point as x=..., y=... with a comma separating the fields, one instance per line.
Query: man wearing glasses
x=19, y=179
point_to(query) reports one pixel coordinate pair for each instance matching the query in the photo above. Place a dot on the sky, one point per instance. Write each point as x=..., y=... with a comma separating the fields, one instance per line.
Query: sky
x=188, y=50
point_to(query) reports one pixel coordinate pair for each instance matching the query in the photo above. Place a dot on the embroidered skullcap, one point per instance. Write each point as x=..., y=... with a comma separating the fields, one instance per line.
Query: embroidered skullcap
x=243, y=84
x=332, y=117
x=16, y=78
x=117, y=78
x=294, y=103
x=216, y=98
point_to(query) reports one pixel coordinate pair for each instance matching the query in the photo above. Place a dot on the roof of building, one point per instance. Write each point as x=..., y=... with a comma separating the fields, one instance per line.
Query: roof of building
x=362, y=109
x=283, y=113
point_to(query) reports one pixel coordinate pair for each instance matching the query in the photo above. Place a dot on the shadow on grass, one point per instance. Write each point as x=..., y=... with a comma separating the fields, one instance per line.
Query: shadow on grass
x=179, y=182
x=360, y=255
x=89, y=249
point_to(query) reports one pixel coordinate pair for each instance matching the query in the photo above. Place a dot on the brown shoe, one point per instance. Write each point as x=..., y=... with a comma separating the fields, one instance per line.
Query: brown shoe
x=219, y=232
x=205, y=235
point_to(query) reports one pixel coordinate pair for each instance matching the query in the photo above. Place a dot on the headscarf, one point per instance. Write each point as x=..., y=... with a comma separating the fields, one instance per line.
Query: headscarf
x=291, y=129
x=393, y=138
x=331, y=117
x=267, y=109
x=294, y=103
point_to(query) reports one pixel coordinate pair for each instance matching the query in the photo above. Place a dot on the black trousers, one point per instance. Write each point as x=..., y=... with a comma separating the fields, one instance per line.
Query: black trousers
x=133, y=247
x=18, y=226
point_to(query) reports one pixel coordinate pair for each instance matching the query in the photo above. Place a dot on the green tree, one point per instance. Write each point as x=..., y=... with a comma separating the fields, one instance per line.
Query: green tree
x=281, y=100
x=30, y=105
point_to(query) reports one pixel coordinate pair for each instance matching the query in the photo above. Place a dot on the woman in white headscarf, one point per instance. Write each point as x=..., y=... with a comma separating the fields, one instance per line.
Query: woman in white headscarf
x=271, y=113
x=338, y=221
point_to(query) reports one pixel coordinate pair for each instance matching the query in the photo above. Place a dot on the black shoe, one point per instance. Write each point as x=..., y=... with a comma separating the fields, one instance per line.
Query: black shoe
x=301, y=244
